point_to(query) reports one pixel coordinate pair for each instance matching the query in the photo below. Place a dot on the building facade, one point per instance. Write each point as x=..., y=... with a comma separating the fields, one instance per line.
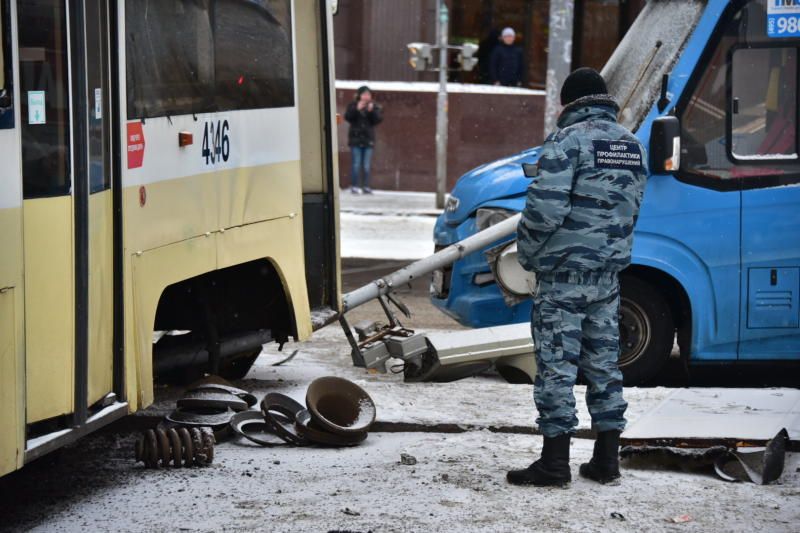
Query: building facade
x=371, y=37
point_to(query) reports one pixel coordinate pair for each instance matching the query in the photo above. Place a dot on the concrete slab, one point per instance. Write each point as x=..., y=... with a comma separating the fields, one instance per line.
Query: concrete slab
x=725, y=414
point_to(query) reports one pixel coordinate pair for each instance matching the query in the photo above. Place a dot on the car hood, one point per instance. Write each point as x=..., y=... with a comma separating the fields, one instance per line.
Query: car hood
x=499, y=179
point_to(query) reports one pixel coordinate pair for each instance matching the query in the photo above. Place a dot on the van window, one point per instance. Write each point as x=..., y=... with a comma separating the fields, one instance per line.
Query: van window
x=739, y=116
x=764, y=105
x=197, y=56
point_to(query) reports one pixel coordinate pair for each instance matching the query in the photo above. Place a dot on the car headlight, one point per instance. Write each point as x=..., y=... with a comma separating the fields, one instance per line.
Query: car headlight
x=489, y=216
x=510, y=274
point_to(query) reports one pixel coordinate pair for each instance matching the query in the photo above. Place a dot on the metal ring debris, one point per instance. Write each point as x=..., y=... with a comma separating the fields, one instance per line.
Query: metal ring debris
x=211, y=398
x=249, y=398
x=252, y=426
x=340, y=406
x=275, y=402
x=310, y=430
x=217, y=419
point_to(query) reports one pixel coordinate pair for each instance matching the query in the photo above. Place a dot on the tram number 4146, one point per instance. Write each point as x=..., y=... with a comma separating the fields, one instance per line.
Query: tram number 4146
x=216, y=142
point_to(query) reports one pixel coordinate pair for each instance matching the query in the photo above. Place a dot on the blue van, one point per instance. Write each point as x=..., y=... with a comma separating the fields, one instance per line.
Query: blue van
x=711, y=88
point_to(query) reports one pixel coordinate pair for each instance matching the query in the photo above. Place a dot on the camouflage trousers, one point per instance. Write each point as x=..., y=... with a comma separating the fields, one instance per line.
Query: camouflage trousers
x=575, y=327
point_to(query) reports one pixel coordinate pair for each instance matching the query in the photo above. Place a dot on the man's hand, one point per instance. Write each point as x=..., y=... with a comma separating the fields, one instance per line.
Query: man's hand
x=361, y=105
x=370, y=106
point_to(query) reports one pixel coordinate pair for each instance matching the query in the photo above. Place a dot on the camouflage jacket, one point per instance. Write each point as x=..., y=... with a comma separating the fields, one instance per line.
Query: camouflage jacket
x=582, y=206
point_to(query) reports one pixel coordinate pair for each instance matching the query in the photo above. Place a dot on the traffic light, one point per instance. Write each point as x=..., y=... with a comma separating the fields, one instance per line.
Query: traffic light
x=419, y=55
x=467, y=57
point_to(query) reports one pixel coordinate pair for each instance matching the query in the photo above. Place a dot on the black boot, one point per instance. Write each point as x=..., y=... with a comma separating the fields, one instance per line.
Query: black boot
x=604, y=465
x=551, y=470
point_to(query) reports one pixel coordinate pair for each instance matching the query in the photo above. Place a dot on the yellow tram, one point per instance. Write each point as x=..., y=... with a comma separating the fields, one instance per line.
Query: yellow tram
x=168, y=200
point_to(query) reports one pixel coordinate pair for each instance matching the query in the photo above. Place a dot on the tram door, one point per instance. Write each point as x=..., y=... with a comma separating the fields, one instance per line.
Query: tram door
x=66, y=121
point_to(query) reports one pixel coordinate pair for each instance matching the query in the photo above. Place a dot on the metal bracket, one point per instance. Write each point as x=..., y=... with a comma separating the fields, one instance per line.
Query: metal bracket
x=375, y=344
x=355, y=352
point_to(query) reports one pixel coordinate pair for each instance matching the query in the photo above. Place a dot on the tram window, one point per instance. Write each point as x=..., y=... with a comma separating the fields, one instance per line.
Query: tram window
x=764, y=114
x=194, y=56
x=253, y=54
x=6, y=72
x=45, y=98
x=170, y=57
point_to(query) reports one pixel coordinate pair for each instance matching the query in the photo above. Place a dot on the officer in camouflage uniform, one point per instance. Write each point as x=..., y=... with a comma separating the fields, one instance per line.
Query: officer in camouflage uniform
x=576, y=234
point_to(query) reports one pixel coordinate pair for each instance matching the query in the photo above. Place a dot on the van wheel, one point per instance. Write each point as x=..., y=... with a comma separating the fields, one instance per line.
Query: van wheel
x=646, y=331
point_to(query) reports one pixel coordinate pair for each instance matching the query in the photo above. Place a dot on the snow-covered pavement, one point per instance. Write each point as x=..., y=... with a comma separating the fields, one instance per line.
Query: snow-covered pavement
x=457, y=484
x=387, y=225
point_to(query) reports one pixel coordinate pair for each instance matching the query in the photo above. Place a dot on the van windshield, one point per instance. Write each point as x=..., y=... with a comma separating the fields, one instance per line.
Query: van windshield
x=650, y=49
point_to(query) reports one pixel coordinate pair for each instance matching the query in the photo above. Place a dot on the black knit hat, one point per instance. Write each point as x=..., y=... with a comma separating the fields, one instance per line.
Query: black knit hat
x=582, y=82
x=361, y=90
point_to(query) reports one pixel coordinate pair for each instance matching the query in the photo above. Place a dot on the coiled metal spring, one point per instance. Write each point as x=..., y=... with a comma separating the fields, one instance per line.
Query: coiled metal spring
x=180, y=446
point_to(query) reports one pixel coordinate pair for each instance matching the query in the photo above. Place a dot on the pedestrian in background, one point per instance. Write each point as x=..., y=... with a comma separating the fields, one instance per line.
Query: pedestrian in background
x=505, y=67
x=576, y=234
x=485, y=49
x=363, y=114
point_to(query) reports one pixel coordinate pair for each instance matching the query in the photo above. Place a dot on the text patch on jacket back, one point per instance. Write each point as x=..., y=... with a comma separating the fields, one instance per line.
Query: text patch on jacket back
x=617, y=155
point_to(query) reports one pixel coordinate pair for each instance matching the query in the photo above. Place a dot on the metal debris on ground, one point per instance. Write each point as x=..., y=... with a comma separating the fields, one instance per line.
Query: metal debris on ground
x=252, y=426
x=338, y=413
x=177, y=446
x=406, y=459
x=757, y=464
x=618, y=516
x=289, y=358
x=741, y=434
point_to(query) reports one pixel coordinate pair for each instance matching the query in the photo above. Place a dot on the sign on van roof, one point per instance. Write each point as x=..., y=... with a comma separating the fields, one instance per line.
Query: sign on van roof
x=783, y=18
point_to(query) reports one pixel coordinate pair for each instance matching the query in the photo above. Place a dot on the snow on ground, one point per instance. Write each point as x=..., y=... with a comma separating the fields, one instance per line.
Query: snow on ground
x=387, y=224
x=432, y=87
x=396, y=203
x=365, y=236
x=458, y=483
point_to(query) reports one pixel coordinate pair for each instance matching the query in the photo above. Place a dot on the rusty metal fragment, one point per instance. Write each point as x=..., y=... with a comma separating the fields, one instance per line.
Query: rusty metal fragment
x=176, y=446
x=340, y=406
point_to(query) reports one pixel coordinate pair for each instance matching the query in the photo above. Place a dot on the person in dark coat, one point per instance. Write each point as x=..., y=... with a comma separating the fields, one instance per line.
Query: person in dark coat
x=505, y=67
x=363, y=114
x=485, y=49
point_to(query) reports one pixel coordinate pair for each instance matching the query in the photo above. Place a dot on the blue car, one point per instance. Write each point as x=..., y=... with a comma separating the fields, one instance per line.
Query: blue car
x=712, y=89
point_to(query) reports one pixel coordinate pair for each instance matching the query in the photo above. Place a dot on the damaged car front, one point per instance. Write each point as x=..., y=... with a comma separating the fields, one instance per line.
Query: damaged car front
x=471, y=290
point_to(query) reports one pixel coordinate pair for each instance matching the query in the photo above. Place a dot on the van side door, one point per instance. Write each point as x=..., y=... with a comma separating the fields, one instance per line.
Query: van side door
x=763, y=143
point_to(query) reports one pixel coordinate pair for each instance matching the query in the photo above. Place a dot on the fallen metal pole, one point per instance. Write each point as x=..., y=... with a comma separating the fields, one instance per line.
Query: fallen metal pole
x=440, y=259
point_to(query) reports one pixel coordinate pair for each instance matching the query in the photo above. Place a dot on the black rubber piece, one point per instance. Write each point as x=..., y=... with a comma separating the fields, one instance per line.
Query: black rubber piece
x=307, y=427
x=252, y=426
x=285, y=428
